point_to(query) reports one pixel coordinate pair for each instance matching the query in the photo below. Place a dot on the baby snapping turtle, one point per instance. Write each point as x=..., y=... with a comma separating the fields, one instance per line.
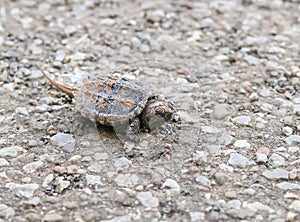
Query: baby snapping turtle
x=122, y=103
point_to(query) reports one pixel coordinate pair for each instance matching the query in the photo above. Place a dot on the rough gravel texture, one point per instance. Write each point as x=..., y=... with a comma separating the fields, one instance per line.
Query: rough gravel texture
x=230, y=154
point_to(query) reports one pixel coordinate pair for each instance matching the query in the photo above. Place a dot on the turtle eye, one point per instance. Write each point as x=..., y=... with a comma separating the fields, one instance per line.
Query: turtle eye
x=160, y=111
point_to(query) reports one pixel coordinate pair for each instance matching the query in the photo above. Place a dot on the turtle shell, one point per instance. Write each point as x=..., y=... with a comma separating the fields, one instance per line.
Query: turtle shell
x=110, y=99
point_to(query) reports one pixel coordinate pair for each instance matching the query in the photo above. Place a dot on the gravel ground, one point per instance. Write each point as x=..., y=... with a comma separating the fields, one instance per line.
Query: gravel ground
x=230, y=67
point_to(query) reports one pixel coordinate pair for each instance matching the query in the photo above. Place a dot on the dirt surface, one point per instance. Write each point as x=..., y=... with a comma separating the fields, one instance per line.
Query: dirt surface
x=231, y=152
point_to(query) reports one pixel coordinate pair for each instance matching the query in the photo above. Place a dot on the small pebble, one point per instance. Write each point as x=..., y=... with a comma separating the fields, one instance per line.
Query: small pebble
x=239, y=160
x=242, y=120
x=276, y=160
x=25, y=190
x=147, y=199
x=288, y=186
x=276, y=174
x=203, y=181
x=287, y=131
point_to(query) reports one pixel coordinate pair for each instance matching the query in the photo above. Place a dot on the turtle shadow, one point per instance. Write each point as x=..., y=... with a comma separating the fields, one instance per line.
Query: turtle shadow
x=84, y=127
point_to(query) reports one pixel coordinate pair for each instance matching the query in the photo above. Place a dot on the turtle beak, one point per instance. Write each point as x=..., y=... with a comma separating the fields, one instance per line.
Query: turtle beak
x=156, y=114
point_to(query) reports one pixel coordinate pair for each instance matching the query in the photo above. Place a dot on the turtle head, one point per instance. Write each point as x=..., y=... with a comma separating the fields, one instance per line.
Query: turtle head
x=156, y=113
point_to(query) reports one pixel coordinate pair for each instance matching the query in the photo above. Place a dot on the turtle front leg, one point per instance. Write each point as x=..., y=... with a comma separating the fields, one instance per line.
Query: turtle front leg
x=133, y=130
x=126, y=130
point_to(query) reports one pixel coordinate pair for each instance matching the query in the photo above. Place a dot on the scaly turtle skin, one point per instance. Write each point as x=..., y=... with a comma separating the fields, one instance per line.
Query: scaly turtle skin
x=122, y=103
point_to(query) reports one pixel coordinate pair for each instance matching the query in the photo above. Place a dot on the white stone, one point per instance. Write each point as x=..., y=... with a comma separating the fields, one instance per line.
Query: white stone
x=3, y=162
x=127, y=180
x=32, y=167
x=147, y=199
x=25, y=190
x=295, y=206
x=242, y=120
x=122, y=163
x=197, y=216
x=11, y=151
x=242, y=144
x=257, y=206
x=93, y=180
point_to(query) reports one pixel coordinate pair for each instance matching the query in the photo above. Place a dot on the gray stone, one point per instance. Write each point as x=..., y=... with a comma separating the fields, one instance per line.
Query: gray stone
x=200, y=156
x=63, y=184
x=293, y=149
x=70, y=29
x=122, y=163
x=93, y=180
x=251, y=60
x=257, y=206
x=170, y=184
x=32, y=167
x=155, y=45
x=197, y=216
x=242, y=120
x=207, y=22
x=288, y=186
x=261, y=158
x=213, y=149
x=288, y=120
x=60, y=55
x=147, y=199
x=239, y=160
x=230, y=194
x=265, y=92
x=276, y=160
x=234, y=204
x=101, y=156
x=11, y=151
x=208, y=129
x=253, y=97
x=34, y=201
x=293, y=175
x=124, y=50
x=95, y=168
x=22, y=111
x=203, y=181
x=221, y=178
x=127, y=180
x=156, y=16
x=287, y=130
x=226, y=139
x=78, y=56
x=42, y=108
x=268, y=108
x=34, y=217
x=221, y=111
x=241, y=213
x=293, y=140
x=250, y=191
x=195, y=36
x=6, y=211
x=48, y=180
x=295, y=206
x=242, y=144
x=3, y=162
x=145, y=48
x=136, y=42
x=125, y=218
x=107, y=21
x=63, y=140
x=172, y=187
x=25, y=190
x=276, y=174
x=52, y=217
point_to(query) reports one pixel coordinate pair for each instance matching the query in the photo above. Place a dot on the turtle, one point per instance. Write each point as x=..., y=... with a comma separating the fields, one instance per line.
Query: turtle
x=117, y=101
